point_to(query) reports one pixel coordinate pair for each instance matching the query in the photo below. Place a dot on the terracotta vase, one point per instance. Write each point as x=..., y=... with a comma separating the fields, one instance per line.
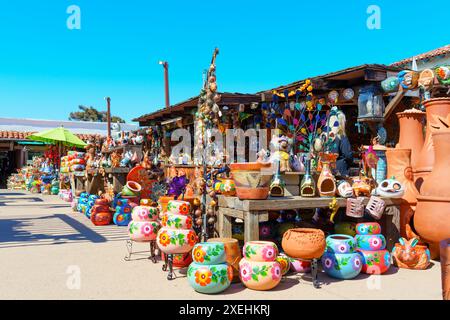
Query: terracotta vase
x=411, y=133
x=233, y=254
x=445, y=268
x=304, y=243
x=440, y=107
x=252, y=180
x=327, y=182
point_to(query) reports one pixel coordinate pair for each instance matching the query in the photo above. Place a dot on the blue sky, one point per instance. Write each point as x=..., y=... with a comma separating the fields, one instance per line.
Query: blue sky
x=47, y=70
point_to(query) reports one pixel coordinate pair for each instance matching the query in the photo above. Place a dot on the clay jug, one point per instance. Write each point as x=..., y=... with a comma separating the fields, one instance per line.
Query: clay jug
x=304, y=243
x=432, y=217
x=411, y=133
x=440, y=107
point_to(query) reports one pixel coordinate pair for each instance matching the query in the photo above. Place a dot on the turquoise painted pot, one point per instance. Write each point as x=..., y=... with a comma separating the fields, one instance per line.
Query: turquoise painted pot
x=209, y=278
x=340, y=243
x=368, y=228
x=371, y=242
x=209, y=253
x=342, y=266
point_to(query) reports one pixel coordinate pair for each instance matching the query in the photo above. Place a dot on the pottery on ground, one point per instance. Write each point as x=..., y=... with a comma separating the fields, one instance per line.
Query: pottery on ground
x=100, y=213
x=370, y=242
x=232, y=254
x=209, y=253
x=304, y=243
x=260, y=250
x=375, y=262
x=122, y=216
x=445, y=268
x=284, y=262
x=259, y=275
x=409, y=255
x=252, y=180
x=368, y=228
x=300, y=266
x=342, y=265
x=143, y=231
x=209, y=278
x=179, y=260
x=340, y=243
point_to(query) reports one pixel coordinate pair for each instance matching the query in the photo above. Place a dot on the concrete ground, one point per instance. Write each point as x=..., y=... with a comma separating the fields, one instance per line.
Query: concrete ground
x=48, y=252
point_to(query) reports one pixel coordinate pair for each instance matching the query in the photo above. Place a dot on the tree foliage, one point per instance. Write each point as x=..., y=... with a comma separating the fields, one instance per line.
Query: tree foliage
x=92, y=114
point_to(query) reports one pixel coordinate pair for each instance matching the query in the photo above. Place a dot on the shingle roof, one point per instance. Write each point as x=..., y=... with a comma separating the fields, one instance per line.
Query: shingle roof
x=430, y=54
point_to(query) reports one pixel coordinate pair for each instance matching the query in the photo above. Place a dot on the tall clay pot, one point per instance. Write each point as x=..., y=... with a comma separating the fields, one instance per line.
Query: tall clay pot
x=432, y=217
x=411, y=133
x=440, y=107
x=445, y=268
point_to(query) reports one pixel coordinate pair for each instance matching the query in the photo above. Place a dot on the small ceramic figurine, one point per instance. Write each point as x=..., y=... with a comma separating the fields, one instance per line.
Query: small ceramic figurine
x=407, y=254
x=281, y=146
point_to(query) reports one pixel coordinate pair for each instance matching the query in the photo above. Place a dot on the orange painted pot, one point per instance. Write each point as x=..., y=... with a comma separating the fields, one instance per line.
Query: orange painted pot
x=259, y=275
x=252, y=180
x=180, y=260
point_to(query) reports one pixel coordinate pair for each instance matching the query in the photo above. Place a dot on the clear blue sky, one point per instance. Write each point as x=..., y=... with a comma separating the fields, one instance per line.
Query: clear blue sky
x=47, y=70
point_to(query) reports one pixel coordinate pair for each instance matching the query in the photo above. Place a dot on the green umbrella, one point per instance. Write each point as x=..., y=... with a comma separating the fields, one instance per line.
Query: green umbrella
x=60, y=136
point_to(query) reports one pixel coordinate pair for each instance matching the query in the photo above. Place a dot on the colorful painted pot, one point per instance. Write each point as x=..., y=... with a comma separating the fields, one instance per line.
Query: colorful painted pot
x=209, y=278
x=284, y=262
x=176, y=221
x=260, y=251
x=259, y=275
x=163, y=202
x=143, y=231
x=300, y=266
x=252, y=180
x=375, y=262
x=348, y=228
x=209, y=253
x=342, y=266
x=146, y=202
x=227, y=187
x=122, y=216
x=368, y=228
x=232, y=254
x=409, y=255
x=370, y=242
x=340, y=243
x=101, y=215
x=144, y=213
x=131, y=189
x=176, y=240
x=180, y=260
x=178, y=207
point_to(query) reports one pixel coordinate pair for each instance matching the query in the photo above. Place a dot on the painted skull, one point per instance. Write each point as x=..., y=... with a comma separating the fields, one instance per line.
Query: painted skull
x=391, y=188
x=345, y=190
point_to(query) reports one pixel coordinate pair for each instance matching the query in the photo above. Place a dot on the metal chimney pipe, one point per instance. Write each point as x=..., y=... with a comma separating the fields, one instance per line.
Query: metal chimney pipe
x=108, y=115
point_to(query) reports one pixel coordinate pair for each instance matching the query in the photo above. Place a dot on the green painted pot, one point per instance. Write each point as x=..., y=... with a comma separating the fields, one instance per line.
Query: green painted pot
x=209, y=253
x=210, y=278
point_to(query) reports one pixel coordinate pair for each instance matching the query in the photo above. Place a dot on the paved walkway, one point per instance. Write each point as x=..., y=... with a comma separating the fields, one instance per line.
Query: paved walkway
x=48, y=252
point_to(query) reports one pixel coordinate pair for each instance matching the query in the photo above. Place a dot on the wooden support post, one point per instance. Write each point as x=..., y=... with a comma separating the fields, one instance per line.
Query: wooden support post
x=251, y=226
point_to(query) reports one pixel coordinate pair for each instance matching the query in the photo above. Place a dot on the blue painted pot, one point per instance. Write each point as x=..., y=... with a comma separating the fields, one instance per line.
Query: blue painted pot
x=209, y=278
x=371, y=242
x=209, y=253
x=340, y=243
x=342, y=266
x=122, y=217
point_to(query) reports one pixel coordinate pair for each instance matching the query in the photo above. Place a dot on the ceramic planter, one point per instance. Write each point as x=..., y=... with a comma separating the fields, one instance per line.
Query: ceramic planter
x=300, y=266
x=370, y=242
x=326, y=183
x=131, y=189
x=304, y=243
x=252, y=180
x=209, y=278
x=284, y=262
x=308, y=185
x=209, y=253
x=143, y=231
x=178, y=207
x=176, y=240
x=232, y=254
x=260, y=251
x=348, y=228
x=180, y=260
x=375, y=262
x=340, y=243
x=259, y=275
x=411, y=133
x=342, y=266
x=409, y=255
x=227, y=187
x=176, y=221
x=144, y=213
x=163, y=202
x=101, y=215
x=122, y=216
x=368, y=228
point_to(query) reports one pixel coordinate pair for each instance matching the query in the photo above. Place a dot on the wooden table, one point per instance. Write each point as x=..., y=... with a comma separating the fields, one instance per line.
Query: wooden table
x=255, y=211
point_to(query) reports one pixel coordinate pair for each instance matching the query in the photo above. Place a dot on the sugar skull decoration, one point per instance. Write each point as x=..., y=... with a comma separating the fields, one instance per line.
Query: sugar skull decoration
x=390, y=188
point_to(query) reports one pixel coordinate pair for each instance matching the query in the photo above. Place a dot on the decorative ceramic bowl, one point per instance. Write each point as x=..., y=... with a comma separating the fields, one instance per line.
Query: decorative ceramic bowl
x=252, y=179
x=342, y=266
x=259, y=275
x=143, y=231
x=260, y=251
x=375, y=262
x=370, y=242
x=209, y=253
x=210, y=278
x=144, y=213
x=178, y=207
x=340, y=243
x=176, y=221
x=368, y=228
x=300, y=266
x=176, y=240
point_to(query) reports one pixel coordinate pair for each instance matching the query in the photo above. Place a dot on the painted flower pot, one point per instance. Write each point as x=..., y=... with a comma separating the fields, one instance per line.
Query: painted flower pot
x=146, y=202
x=342, y=266
x=180, y=260
x=348, y=228
x=209, y=253
x=252, y=180
x=163, y=202
x=143, y=231
x=144, y=213
x=176, y=240
x=209, y=278
x=176, y=221
x=368, y=228
x=178, y=207
x=375, y=262
x=101, y=215
x=370, y=242
x=340, y=243
x=131, y=189
x=227, y=187
x=304, y=243
x=259, y=275
x=284, y=262
x=122, y=216
x=300, y=266
x=260, y=251
x=232, y=254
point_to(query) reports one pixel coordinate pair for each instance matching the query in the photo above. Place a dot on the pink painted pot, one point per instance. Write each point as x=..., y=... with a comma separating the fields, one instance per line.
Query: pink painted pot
x=260, y=251
x=143, y=231
x=260, y=275
x=144, y=213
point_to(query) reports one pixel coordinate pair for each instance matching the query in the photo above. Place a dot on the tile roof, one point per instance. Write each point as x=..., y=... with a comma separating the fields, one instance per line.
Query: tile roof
x=430, y=54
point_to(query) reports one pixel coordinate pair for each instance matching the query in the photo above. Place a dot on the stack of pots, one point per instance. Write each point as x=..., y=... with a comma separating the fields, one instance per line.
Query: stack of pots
x=209, y=273
x=122, y=217
x=100, y=213
x=82, y=202
x=232, y=254
x=144, y=225
x=176, y=235
x=90, y=204
x=341, y=260
x=371, y=245
x=259, y=270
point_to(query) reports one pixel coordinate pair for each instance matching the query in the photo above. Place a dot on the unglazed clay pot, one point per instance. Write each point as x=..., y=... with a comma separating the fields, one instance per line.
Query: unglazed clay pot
x=425, y=163
x=252, y=180
x=232, y=254
x=432, y=217
x=260, y=250
x=445, y=268
x=304, y=243
x=209, y=253
x=342, y=265
x=209, y=278
x=259, y=275
x=327, y=182
x=375, y=262
x=411, y=133
x=409, y=255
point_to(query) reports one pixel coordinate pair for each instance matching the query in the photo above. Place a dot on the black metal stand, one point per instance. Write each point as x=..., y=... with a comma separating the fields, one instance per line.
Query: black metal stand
x=129, y=245
x=168, y=263
x=314, y=273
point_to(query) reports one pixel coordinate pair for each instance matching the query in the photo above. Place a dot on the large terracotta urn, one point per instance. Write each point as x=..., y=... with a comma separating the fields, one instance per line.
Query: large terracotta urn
x=411, y=133
x=445, y=268
x=252, y=180
x=432, y=217
x=433, y=107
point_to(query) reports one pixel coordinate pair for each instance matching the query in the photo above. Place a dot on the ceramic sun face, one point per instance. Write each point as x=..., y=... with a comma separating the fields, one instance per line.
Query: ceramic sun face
x=391, y=188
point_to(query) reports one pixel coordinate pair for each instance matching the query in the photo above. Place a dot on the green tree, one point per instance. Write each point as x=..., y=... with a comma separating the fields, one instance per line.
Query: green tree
x=92, y=114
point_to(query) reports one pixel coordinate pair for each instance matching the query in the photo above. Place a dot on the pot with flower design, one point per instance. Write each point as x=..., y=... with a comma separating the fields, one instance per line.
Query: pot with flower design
x=209, y=272
x=259, y=270
x=122, y=216
x=340, y=259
